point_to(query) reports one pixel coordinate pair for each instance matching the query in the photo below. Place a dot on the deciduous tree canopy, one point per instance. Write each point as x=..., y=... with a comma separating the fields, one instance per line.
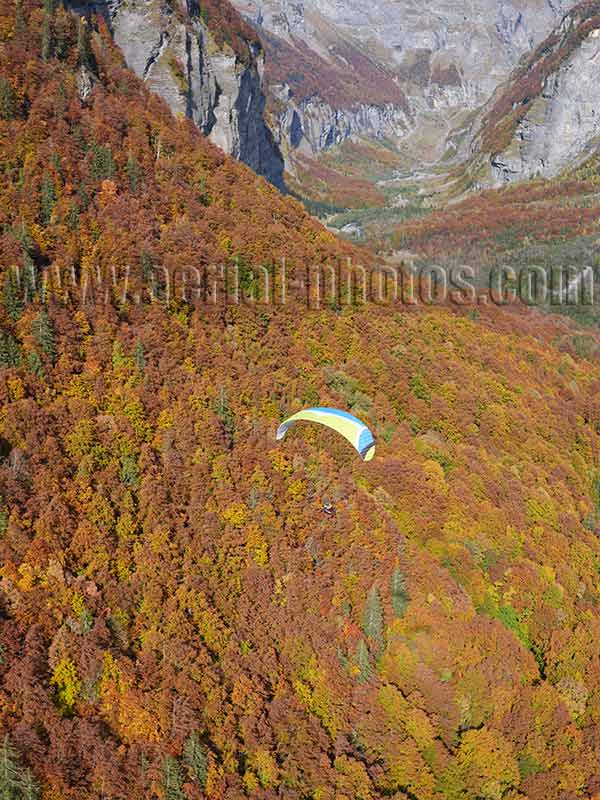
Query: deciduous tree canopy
x=179, y=619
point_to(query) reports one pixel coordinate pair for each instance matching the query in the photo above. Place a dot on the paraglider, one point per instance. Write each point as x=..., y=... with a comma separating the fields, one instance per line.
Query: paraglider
x=355, y=431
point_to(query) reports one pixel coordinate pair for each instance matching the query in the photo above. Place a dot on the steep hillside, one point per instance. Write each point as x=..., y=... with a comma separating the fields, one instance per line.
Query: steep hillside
x=208, y=65
x=179, y=619
x=545, y=119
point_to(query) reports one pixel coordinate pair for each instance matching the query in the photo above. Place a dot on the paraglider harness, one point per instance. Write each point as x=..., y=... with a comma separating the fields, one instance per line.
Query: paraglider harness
x=328, y=509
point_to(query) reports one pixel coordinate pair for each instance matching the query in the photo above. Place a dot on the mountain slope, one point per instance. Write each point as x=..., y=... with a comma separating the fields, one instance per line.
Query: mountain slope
x=544, y=120
x=206, y=63
x=179, y=618
x=340, y=70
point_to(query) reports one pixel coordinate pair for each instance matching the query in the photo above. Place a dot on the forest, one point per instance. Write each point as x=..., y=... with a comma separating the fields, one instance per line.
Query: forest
x=178, y=618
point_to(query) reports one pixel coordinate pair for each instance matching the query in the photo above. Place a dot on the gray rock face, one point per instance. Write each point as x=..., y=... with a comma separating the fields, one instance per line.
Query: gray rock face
x=172, y=49
x=446, y=55
x=563, y=124
x=313, y=125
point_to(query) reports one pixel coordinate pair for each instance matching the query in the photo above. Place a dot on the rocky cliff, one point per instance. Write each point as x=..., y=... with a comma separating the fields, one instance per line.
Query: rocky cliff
x=547, y=118
x=312, y=124
x=200, y=72
x=391, y=67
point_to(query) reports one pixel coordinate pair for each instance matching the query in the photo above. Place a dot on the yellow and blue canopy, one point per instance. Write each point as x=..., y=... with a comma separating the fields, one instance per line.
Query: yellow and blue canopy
x=355, y=431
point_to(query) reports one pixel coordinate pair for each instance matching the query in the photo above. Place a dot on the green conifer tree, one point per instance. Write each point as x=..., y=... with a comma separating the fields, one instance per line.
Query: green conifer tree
x=146, y=264
x=195, y=758
x=363, y=662
x=12, y=296
x=103, y=165
x=48, y=30
x=10, y=772
x=400, y=596
x=172, y=779
x=119, y=359
x=47, y=198
x=72, y=218
x=144, y=768
x=22, y=235
x=43, y=333
x=20, y=21
x=10, y=352
x=373, y=616
x=130, y=472
x=148, y=272
x=139, y=356
x=47, y=39
x=4, y=516
x=225, y=414
x=29, y=789
x=8, y=100
x=34, y=363
x=29, y=277
x=134, y=173
x=84, y=46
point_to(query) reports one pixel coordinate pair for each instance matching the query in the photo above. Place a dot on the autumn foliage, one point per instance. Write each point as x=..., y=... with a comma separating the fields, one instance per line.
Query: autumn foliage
x=178, y=618
x=339, y=81
x=541, y=210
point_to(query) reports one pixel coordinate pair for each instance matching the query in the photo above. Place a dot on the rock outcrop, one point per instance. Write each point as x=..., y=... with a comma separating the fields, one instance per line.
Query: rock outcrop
x=172, y=48
x=389, y=68
x=546, y=118
x=313, y=124
x=562, y=126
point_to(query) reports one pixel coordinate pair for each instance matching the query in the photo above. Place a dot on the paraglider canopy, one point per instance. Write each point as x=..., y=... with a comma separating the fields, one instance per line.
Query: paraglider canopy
x=355, y=431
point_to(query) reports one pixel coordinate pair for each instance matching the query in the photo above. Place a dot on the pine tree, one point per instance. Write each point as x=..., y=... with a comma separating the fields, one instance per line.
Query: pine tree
x=119, y=359
x=8, y=100
x=48, y=30
x=43, y=333
x=144, y=768
x=22, y=235
x=84, y=46
x=55, y=160
x=134, y=173
x=130, y=473
x=20, y=21
x=10, y=773
x=172, y=779
x=148, y=272
x=4, y=515
x=225, y=415
x=195, y=758
x=103, y=165
x=34, y=363
x=146, y=263
x=400, y=596
x=10, y=352
x=373, y=616
x=47, y=39
x=139, y=356
x=79, y=140
x=12, y=298
x=29, y=789
x=72, y=218
x=29, y=276
x=362, y=661
x=48, y=198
